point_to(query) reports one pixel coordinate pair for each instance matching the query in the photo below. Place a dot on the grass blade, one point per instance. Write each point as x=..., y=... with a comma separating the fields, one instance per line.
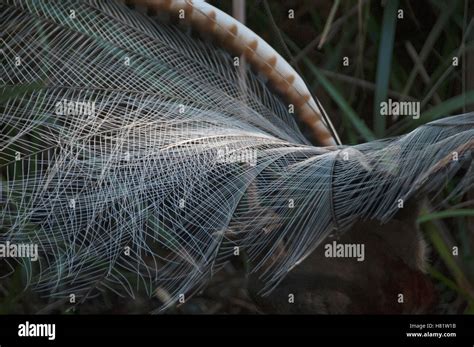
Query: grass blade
x=445, y=214
x=384, y=64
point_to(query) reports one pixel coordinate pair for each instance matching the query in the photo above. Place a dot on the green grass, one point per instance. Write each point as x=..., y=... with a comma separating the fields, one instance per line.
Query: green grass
x=384, y=63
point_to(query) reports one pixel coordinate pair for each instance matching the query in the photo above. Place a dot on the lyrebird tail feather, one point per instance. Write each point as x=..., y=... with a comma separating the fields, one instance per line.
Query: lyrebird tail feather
x=240, y=40
x=173, y=166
